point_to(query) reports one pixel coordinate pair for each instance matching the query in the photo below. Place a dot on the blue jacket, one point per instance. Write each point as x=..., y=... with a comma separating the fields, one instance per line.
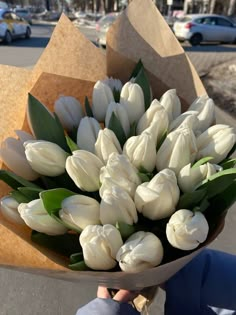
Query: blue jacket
x=205, y=286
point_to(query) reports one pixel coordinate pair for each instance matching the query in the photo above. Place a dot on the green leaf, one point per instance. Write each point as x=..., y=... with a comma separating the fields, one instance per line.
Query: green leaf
x=88, y=108
x=45, y=125
x=76, y=257
x=65, y=245
x=61, y=181
x=19, y=197
x=53, y=198
x=132, y=131
x=73, y=134
x=202, y=161
x=116, y=127
x=79, y=266
x=136, y=70
x=15, y=181
x=228, y=163
x=161, y=140
x=218, y=182
x=71, y=144
x=116, y=94
x=30, y=193
x=191, y=199
x=142, y=80
x=55, y=216
x=125, y=229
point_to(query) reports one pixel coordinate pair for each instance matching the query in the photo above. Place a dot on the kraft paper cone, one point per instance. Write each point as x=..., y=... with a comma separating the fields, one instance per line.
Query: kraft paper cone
x=70, y=59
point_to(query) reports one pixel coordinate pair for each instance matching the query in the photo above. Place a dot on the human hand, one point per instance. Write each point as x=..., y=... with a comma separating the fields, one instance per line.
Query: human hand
x=121, y=296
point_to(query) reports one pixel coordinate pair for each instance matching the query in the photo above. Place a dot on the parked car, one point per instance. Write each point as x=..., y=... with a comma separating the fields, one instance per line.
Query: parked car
x=25, y=14
x=197, y=28
x=12, y=26
x=102, y=27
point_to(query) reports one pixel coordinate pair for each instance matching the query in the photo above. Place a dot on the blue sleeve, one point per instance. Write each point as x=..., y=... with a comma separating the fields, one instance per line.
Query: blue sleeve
x=106, y=307
x=206, y=285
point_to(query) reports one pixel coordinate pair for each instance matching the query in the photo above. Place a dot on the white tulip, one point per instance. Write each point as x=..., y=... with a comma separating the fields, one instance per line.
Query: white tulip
x=114, y=84
x=87, y=133
x=117, y=206
x=158, y=198
x=188, y=119
x=12, y=153
x=178, y=150
x=84, y=168
x=171, y=102
x=37, y=218
x=69, y=111
x=78, y=211
x=132, y=98
x=216, y=141
x=102, y=97
x=141, y=251
x=106, y=144
x=190, y=177
x=186, y=230
x=100, y=245
x=45, y=157
x=9, y=209
x=141, y=151
x=206, y=112
x=121, y=114
x=121, y=172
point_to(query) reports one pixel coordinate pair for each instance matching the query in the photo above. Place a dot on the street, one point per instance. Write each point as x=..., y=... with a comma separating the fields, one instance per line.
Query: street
x=27, y=294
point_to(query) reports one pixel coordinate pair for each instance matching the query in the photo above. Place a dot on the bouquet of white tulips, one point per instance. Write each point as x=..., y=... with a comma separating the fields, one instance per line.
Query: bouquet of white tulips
x=123, y=183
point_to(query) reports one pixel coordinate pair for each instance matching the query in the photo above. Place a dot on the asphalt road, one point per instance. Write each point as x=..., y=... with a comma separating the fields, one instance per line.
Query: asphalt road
x=27, y=294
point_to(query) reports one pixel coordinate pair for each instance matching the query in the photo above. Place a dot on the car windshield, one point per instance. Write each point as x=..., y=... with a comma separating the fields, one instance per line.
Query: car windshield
x=22, y=11
x=108, y=19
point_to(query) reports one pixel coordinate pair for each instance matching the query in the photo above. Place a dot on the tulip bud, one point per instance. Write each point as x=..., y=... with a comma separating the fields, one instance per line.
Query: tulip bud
x=117, y=206
x=141, y=251
x=102, y=97
x=178, y=150
x=170, y=101
x=87, y=133
x=206, y=112
x=141, y=151
x=69, y=111
x=121, y=172
x=12, y=153
x=84, y=168
x=100, y=245
x=106, y=143
x=217, y=141
x=78, y=211
x=37, y=218
x=121, y=115
x=154, y=121
x=114, y=84
x=132, y=98
x=186, y=229
x=45, y=157
x=9, y=209
x=158, y=198
x=190, y=177
x=187, y=119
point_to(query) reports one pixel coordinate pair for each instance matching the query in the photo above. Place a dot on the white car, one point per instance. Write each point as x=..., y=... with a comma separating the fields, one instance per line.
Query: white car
x=197, y=28
x=12, y=26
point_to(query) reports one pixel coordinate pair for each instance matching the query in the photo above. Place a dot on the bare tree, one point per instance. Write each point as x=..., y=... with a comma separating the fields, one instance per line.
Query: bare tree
x=231, y=8
x=212, y=6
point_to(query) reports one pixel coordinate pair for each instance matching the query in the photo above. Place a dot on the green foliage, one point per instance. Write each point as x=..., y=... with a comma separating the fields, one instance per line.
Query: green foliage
x=116, y=127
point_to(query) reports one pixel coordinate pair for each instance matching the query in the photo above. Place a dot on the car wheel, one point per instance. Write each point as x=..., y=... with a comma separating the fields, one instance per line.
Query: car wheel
x=195, y=39
x=8, y=38
x=28, y=33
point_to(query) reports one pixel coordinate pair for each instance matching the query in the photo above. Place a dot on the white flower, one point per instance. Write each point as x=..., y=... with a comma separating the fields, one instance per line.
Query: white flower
x=187, y=119
x=178, y=150
x=45, y=157
x=170, y=101
x=84, y=168
x=121, y=114
x=87, y=133
x=106, y=144
x=100, y=245
x=216, y=141
x=158, y=198
x=114, y=84
x=102, y=97
x=37, y=218
x=186, y=229
x=9, y=209
x=117, y=206
x=142, y=250
x=141, y=151
x=69, y=111
x=79, y=211
x=12, y=153
x=132, y=98
x=121, y=172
